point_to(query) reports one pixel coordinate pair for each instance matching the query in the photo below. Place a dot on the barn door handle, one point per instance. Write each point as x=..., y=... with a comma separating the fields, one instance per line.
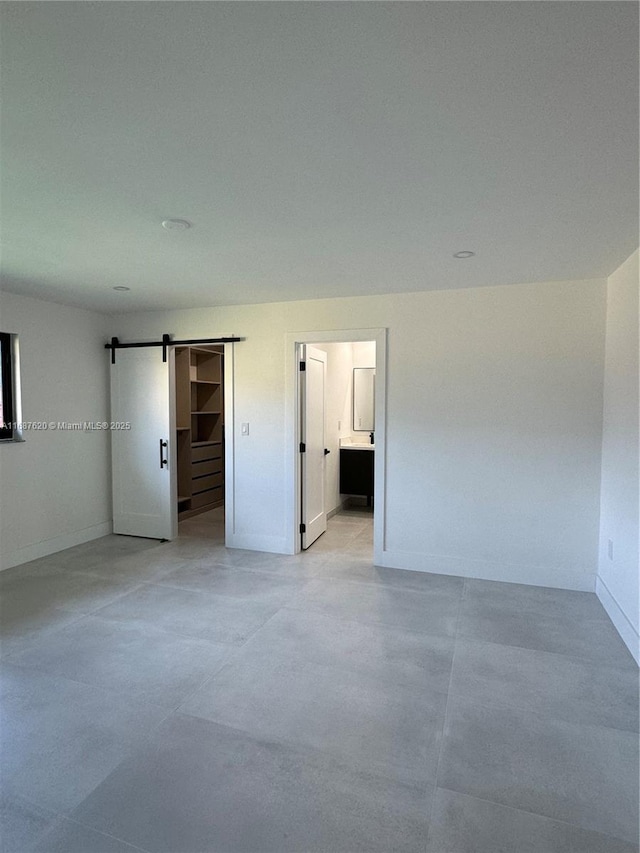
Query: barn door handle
x=163, y=445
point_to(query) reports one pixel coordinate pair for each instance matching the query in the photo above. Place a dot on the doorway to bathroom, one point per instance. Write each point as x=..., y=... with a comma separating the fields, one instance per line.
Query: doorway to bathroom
x=336, y=424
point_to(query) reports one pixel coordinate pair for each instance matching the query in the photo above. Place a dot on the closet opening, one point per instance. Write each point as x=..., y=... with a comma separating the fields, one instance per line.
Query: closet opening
x=200, y=431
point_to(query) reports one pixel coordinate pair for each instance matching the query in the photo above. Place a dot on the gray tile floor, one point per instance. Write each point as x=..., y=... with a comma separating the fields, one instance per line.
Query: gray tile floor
x=183, y=698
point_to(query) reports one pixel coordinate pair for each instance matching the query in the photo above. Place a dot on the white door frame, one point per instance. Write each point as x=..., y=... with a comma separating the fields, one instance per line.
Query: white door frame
x=229, y=444
x=292, y=428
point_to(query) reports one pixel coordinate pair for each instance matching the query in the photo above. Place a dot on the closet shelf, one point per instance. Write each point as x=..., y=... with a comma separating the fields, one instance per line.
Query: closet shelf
x=204, y=382
x=207, y=412
x=204, y=443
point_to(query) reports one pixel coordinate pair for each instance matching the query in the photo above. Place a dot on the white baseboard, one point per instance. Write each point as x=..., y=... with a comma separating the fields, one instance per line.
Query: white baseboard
x=619, y=618
x=336, y=510
x=253, y=542
x=486, y=570
x=52, y=546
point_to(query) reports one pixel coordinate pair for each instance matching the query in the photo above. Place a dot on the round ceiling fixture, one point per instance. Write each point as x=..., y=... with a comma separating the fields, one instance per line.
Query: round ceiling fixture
x=121, y=288
x=464, y=254
x=176, y=224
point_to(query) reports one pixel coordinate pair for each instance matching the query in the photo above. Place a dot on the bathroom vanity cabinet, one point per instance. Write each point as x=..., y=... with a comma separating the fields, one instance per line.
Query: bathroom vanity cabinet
x=356, y=472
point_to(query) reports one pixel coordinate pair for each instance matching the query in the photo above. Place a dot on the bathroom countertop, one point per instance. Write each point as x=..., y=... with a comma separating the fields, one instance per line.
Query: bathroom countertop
x=350, y=444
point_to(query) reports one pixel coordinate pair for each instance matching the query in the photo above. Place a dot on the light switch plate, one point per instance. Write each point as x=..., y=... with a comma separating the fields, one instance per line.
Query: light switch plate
x=244, y=429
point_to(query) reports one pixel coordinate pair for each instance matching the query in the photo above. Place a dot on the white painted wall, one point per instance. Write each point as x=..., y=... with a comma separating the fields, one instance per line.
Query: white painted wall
x=54, y=490
x=494, y=422
x=617, y=584
x=364, y=353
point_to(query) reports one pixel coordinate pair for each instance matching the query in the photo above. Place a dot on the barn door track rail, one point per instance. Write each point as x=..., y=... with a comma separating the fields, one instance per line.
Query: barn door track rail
x=165, y=343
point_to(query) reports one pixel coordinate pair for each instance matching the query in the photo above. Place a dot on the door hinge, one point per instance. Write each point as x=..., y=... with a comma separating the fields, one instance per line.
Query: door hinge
x=303, y=447
x=303, y=528
x=303, y=365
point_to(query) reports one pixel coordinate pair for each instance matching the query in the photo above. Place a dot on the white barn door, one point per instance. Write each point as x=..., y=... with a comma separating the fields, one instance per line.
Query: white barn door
x=312, y=399
x=143, y=457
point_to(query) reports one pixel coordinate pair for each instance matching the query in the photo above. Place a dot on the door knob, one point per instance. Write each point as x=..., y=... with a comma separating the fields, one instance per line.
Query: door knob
x=326, y=452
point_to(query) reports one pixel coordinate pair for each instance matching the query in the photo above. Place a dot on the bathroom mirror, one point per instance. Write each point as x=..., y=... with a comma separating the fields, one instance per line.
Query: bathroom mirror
x=364, y=392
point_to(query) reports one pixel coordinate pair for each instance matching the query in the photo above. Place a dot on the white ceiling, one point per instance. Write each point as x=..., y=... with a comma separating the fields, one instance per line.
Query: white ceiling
x=319, y=149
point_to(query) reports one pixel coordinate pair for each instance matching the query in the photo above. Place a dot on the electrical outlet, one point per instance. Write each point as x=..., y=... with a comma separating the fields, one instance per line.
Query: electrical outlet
x=244, y=429
x=610, y=549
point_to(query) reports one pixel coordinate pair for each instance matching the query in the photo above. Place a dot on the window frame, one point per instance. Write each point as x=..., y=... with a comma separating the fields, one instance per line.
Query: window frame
x=11, y=429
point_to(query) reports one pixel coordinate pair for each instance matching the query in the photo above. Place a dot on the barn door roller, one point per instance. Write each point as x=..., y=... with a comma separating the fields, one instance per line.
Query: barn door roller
x=165, y=343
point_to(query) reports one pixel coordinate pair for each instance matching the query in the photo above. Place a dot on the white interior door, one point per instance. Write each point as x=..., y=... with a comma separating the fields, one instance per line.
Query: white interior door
x=312, y=397
x=143, y=457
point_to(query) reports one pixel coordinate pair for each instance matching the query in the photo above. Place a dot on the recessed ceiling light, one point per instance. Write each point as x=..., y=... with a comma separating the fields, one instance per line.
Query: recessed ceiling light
x=176, y=224
x=121, y=288
x=464, y=254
